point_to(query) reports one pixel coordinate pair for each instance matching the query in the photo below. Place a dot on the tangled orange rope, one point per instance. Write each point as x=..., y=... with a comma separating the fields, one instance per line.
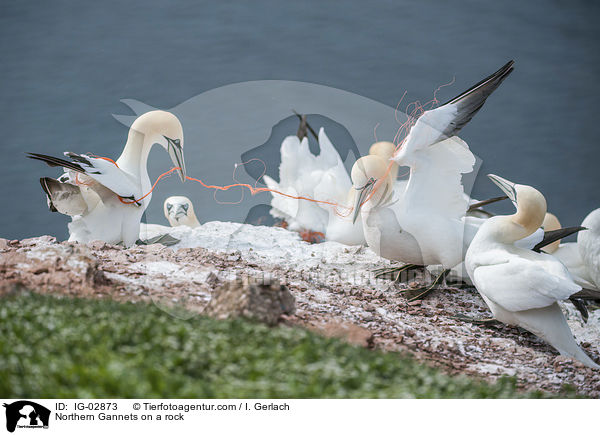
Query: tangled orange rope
x=399, y=138
x=253, y=190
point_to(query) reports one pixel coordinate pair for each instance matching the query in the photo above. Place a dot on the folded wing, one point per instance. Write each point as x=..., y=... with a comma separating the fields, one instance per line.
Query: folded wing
x=521, y=284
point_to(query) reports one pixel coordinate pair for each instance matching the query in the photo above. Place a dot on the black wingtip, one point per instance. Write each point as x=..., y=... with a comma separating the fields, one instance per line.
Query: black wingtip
x=553, y=236
x=304, y=125
x=46, y=189
x=580, y=305
x=494, y=79
x=586, y=294
x=485, y=202
x=55, y=161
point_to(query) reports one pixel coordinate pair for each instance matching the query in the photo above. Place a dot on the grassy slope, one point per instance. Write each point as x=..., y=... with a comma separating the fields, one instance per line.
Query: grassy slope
x=51, y=347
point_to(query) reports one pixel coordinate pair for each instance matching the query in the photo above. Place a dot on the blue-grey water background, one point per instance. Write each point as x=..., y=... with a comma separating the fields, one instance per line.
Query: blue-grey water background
x=66, y=64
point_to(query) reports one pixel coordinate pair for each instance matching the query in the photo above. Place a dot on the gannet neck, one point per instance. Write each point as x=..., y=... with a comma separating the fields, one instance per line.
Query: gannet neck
x=531, y=209
x=152, y=127
x=134, y=158
x=503, y=230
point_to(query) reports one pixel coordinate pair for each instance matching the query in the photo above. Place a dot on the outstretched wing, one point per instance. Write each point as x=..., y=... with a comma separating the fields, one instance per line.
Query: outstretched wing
x=435, y=182
x=102, y=171
x=446, y=120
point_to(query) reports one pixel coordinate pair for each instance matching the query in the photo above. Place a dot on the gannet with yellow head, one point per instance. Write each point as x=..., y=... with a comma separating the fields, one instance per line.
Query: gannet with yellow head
x=179, y=210
x=374, y=193
x=341, y=227
x=106, y=199
x=520, y=286
x=430, y=208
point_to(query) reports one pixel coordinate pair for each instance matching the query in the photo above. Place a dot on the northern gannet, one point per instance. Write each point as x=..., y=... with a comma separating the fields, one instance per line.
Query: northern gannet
x=522, y=287
x=179, y=210
x=106, y=199
x=341, y=227
x=324, y=178
x=426, y=223
x=582, y=258
x=589, y=245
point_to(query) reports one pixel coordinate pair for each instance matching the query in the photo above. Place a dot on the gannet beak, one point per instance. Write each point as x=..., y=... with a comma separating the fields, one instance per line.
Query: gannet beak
x=506, y=186
x=363, y=194
x=180, y=211
x=176, y=154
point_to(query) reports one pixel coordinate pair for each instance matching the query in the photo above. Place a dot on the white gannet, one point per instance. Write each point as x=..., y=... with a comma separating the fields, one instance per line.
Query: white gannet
x=588, y=242
x=107, y=199
x=522, y=287
x=321, y=177
x=582, y=258
x=567, y=253
x=426, y=224
x=299, y=173
x=373, y=199
x=179, y=210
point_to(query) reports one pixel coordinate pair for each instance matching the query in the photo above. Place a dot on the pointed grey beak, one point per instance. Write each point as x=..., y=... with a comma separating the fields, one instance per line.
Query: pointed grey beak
x=508, y=187
x=176, y=154
x=180, y=211
x=361, y=196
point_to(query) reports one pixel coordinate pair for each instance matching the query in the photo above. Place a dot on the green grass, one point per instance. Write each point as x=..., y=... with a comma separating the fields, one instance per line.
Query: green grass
x=63, y=347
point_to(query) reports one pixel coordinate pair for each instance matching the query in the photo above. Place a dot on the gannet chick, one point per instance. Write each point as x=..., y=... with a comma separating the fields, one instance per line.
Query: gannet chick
x=522, y=287
x=107, y=199
x=179, y=210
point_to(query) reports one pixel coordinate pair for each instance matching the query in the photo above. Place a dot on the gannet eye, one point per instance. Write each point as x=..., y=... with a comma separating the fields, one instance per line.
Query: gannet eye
x=169, y=207
x=370, y=182
x=185, y=207
x=175, y=142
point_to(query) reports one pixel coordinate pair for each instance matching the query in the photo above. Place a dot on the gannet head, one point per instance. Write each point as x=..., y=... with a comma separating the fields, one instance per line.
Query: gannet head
x=530, y=205
x=385, y=150
x=551, y=223
x=371, y=182
x=180, y=211
x=165, y=129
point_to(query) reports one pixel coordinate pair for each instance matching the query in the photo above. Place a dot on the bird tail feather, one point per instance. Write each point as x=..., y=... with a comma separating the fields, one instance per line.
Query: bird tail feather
x=550, y=324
